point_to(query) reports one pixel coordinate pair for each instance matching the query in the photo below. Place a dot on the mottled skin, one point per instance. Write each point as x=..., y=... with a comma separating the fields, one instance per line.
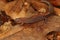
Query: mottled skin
x=13, y=9
x=36, y=18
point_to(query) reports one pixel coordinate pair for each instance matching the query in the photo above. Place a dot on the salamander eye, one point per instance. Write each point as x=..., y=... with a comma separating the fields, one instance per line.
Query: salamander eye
x=9, y=0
